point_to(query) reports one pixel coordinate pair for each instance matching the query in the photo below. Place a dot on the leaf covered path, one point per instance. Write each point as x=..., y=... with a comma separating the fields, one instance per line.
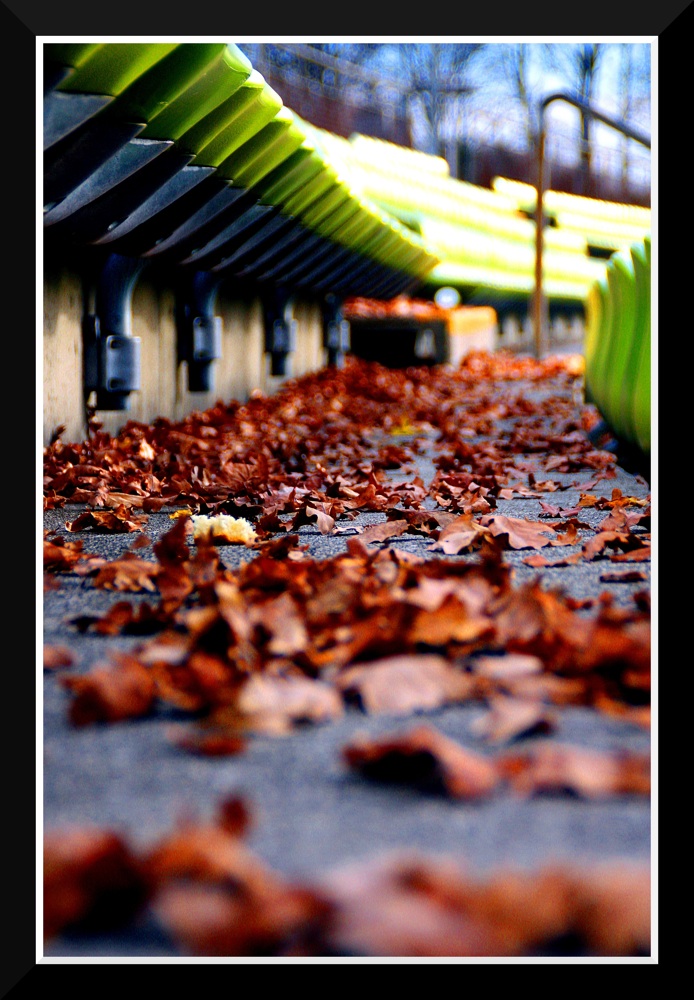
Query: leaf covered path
x=381, y=622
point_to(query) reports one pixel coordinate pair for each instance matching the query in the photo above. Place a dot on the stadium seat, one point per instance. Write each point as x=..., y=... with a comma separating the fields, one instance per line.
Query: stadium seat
x=618, y=346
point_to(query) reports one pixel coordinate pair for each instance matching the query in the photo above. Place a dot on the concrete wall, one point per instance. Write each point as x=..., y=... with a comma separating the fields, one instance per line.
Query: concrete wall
x=243, y=367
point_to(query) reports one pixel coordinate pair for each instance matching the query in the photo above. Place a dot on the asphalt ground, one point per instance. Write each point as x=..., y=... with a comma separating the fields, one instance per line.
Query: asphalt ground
x=310, y=814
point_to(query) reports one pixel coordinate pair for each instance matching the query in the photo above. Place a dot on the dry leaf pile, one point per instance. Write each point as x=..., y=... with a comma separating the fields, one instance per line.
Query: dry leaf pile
x=285, y=638
x=215, y=897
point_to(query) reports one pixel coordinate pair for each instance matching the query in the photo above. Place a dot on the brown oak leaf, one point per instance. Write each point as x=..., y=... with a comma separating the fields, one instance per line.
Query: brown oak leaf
x=122, y=689
x=577, y=771
x=511, y=718
x=424, y=758
x=461, y=533
x=400, y=685
x=521, y=533
x=119, y=519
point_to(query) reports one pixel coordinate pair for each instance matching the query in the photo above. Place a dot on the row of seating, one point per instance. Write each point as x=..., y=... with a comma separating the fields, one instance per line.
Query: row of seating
x=604, y=225
x=183, y=155
x=180, y=151
x=486, y=237
x=618, y=345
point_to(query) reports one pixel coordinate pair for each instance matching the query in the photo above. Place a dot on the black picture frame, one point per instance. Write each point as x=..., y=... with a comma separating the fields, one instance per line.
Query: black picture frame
x=22, y=22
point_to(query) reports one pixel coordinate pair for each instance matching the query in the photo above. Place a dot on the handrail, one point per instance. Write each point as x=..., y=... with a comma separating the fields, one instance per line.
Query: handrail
x=539, y=302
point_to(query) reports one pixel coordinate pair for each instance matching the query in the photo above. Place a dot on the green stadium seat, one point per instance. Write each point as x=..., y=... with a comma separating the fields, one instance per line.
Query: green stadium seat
x=104, y=202
x=80, y=79
x=80, y=134
x=617, y=346
x=183, y=154
x=641, y=397
x=619, y=361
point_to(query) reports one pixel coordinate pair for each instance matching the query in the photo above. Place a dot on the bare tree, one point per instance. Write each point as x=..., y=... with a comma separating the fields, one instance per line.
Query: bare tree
x=434, y=76
x=516, y=63
x=507, y=84
x=430, y=78
x=579, y=65
x=634, y=95
x=437, y=75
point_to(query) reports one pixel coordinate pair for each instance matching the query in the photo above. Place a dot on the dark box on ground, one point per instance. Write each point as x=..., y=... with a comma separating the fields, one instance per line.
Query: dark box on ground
x=400, y=342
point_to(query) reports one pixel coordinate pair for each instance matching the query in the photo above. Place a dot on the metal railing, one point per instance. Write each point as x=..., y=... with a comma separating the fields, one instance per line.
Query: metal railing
x=540, y=310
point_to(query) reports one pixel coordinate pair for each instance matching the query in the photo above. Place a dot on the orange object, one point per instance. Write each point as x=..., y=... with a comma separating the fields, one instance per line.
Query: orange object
x=401, y=305
x=471, y=319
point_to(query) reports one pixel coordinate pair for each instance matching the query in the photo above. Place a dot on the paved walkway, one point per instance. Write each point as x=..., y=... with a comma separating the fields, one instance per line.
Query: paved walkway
x=317, y=807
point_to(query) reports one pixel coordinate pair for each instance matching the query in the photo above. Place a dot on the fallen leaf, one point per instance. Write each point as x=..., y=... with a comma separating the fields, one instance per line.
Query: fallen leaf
x=459, y=534
x=92, y=881
x=625, y=576
x=507, y=666
x=282, y=619
x=128, y=574
x=325, y=522
x=513, y=718
x=574, y=770
x=424, y=758
x=401, y=685
x=57, y=657
x=107, y=521
x=216, y=898
x=633, y=555
x=277, y=704
x=521, y=534
x=383, y=532
x=123, y=689
x=411, y=905
x=452, y=622
x=209, y=743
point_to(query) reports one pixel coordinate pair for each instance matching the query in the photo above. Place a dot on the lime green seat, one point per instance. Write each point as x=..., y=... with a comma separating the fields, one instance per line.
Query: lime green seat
x=189, y=156
x=84, y=80
x=596, y=370
x=183, y=108
x=244, y=114
x=622, y=283
x=264, y=150
x=624, y=393
x=296, y=185
x=617, y=346
x=219, y=78
x=60, y=61
x=291, y=175
x=596, y=323
x=269, y=161
x=280, y=231
x=110, y=69
x=244, y=168
x=333, y=213
x=143, y=80
x=234, y=138
x=218, y=140
x=641, y=398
